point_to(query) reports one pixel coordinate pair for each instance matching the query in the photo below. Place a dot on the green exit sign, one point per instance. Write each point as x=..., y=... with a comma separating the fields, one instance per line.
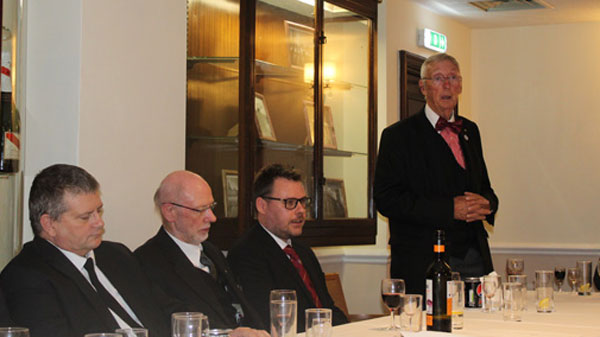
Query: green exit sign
x=433, y=40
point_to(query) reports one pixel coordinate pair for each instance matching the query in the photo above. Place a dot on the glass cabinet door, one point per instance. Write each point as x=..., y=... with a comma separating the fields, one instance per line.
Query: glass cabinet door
x=212, y=125
x=345, y=113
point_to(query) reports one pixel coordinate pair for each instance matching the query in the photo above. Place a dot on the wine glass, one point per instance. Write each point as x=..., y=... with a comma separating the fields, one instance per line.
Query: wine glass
x=514, y=266
x=392, y=291
x=490, y=285
x=412, y=306
x=572, y=275
x=559, y=277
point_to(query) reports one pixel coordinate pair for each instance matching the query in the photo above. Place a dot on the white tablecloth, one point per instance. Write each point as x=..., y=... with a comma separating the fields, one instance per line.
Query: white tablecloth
x=573, y=316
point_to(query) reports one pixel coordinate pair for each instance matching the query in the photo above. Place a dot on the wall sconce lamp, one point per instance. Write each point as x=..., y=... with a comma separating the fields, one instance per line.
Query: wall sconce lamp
x=328, y=73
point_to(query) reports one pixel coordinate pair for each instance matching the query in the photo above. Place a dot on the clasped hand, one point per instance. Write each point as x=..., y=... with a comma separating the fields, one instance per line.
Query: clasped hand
x=471, y=207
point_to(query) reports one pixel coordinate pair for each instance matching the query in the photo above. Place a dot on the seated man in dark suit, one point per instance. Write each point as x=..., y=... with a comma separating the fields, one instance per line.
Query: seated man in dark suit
x=187, y=267
x=269, y=256
x=68, y=282
x=4, y=316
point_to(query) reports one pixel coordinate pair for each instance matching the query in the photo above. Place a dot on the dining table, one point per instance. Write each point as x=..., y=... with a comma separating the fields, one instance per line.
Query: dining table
x=573, y=316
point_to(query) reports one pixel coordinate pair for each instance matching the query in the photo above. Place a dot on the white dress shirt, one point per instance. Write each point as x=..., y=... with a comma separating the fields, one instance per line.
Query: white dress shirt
x=433, y=117
x=282, y=243
x=192, y=252
x=79, y=262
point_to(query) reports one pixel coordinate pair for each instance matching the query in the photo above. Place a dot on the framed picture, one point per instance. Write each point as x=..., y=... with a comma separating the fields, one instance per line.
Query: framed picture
x=301, y=44
x=263, y=119
x=334, y=199
x=230, y=192
x=329, y=140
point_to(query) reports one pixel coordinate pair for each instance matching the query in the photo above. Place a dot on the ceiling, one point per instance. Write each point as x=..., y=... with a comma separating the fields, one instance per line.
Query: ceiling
x=564, y=11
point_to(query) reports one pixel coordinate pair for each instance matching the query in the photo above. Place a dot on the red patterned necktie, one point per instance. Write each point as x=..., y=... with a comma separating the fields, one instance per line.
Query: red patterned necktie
x=450, y=131
x=295, y=259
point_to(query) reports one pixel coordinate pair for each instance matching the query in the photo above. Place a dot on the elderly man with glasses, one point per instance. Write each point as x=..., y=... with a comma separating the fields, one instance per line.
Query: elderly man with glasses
x=187, y=267
x=431, y=175
x=269, y=255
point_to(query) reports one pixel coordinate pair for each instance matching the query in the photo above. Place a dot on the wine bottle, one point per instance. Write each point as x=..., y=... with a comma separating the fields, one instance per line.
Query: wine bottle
x=439, y=300
x=9, y=118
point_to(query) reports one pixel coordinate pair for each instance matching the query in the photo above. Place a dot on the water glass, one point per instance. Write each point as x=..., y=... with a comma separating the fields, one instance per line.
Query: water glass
x=490, y=285
x=584, y=278
x=14, y=332
x=318, y=322
x=188, y=324
x=522, y=281
x=412, y=308
x=457, y=291
x=283, y=312
x=132, y=332
x=513, y=301
x=544, y=287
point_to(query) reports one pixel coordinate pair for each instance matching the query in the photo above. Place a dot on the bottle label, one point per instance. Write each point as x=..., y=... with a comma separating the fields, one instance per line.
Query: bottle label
x=429, y=296
x=5, y=70
x=11, y=146
x=439, y=248
x=449, y=284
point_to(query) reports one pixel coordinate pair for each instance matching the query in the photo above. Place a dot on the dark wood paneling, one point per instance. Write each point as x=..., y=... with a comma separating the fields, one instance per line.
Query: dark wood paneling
x=411, y=98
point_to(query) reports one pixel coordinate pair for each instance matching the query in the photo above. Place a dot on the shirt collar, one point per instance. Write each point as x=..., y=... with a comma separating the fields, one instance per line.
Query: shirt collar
x=282, y=243
x=433, y=117
x=192, y=252
x=77, y=260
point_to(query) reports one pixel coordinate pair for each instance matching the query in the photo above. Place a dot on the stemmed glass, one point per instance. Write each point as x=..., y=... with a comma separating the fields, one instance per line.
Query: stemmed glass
x=392, y=291
x=514, y=266
x=572, y=275
x=559, y=277
x=490, y=285
x=411, y=307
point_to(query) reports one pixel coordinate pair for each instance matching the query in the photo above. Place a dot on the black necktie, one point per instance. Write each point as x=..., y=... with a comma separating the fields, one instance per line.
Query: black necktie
x=205, y=261
x=108, y=299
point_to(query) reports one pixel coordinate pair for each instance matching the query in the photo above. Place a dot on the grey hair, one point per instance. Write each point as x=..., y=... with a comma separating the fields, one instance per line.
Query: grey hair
x=436, y=58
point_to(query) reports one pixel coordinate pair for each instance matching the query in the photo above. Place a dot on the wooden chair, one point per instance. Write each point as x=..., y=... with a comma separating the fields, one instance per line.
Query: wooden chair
x=334, y=285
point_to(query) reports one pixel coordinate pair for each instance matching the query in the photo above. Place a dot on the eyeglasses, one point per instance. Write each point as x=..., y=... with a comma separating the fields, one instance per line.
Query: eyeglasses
x=291, y=203
x=197, y=210
x=439, y=80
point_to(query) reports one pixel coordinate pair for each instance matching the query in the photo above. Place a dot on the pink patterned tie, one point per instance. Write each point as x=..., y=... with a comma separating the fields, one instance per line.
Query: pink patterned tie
x=295, y=259
x=450, y=135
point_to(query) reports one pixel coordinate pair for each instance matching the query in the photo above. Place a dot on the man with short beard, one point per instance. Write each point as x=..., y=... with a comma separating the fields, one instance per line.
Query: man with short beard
x=269, y=255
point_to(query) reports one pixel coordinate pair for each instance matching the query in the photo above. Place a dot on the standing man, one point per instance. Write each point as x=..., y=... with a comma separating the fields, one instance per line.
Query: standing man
x=268, y=256
x=431, y=175
x=67, y=282
x=187, y=267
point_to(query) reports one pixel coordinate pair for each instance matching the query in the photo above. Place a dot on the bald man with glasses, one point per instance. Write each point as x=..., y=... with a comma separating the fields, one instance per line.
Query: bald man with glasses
x=269, y=255
x=187, y=267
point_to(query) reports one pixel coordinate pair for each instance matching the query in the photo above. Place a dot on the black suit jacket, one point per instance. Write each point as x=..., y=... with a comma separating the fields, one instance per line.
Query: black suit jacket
x=47, y=294
x=597, y=277
x=262, y=266
x=172, y=271
x=416, y=180
x=4, y=316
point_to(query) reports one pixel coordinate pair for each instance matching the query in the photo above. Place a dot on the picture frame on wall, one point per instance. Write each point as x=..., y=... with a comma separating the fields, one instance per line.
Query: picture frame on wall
x=230, y=192
x=329, y=139
x=334, y=199
x=301, y=44
x=263, y=118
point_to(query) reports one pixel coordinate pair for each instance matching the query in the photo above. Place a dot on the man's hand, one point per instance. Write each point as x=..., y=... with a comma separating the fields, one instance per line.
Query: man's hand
x=247, y=332
x=471, y=207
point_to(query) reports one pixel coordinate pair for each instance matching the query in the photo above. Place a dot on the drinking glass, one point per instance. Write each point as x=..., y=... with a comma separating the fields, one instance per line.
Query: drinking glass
x=102, y=334
x=283, y=312
x=572, y=276
x=412, y=307
x=392, y=291
x=14, y=332
x=522, y=281
x=318, y=322
x=457, y=289
x=559, y=277
x=132, y=332
x=514, y=266
x=490, y=285
x=584, y=277
x=188, y=324
x=544, y=290
x=512, y=301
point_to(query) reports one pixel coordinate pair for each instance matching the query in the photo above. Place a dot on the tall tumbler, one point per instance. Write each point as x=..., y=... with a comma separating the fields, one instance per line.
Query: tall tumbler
x=544, y=288
x=14, y=332
x=283, y=313
x=188, y=324
x=584, y=279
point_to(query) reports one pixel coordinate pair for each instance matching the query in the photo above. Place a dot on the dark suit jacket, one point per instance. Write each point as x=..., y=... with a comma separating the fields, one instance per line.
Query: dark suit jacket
x=416, y=179
x=597, y=277
x=262, y=266
x=4, y=316
x=172, y=271
x=47, y=294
